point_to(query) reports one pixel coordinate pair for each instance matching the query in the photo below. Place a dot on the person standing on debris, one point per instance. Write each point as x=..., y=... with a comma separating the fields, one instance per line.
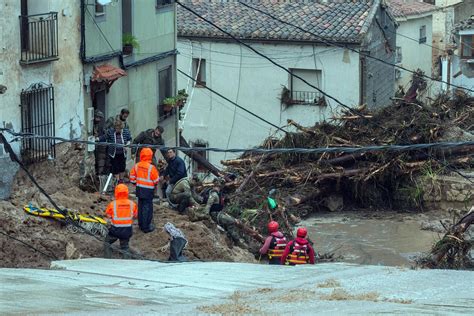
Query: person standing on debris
x=150, y=137
x=100, y=153
x=124, y=113
x=145, y=176
x=120, y=136
x=274, y=245
x=298, y=251
x=121, y=213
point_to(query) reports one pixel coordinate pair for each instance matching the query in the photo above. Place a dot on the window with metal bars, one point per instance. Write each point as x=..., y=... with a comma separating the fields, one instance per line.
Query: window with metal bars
x=37, y=117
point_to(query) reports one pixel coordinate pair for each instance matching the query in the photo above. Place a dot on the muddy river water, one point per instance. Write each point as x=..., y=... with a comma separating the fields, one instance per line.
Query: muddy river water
x=392, y=241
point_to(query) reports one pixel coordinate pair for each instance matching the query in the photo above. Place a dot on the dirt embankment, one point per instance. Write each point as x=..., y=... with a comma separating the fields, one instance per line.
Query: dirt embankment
x=60, y=178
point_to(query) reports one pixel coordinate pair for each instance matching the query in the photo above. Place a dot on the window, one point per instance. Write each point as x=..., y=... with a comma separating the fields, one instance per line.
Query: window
x=300, y=92
x=467, y=46
x=37, y=117
x=199, y=72
x=398, y=55
x=160, y=3
x=197, y=167
x=99, y=9
x=165, y=86
x=422, y=34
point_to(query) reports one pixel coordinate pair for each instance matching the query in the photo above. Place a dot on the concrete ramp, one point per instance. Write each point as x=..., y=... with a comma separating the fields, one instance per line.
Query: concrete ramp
x=123, y=287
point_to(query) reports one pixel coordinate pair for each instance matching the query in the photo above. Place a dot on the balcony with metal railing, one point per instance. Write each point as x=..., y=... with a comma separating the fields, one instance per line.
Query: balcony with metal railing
x=39, y=38
x=304, y=97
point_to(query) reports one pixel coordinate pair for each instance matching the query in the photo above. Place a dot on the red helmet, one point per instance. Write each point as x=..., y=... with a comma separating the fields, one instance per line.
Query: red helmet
x=301, y=232
x=273, y=227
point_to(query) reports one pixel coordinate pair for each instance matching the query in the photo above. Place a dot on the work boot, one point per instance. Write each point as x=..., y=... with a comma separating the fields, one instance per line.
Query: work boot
x=126, y=254
x=107, y=250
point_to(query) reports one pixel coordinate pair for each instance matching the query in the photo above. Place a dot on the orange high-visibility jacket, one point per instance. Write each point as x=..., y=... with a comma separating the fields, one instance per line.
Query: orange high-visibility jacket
x=144, y=174
x=122, y=211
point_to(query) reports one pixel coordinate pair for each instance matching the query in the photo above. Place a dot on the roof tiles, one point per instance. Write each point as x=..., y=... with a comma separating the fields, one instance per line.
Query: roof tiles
x=336, y=21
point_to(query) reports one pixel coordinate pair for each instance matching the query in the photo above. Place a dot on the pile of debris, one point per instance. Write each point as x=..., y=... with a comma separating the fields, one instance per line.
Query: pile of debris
x=35, y=241
x=454, y=250
x=307, y=183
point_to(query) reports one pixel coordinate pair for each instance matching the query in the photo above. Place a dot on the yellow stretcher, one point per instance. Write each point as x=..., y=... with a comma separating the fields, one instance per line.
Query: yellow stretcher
x=52, y=213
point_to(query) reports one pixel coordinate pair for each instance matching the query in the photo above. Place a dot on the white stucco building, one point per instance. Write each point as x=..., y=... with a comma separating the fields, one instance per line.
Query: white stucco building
x=41, y=68
x=219, y=63
x=414, y=39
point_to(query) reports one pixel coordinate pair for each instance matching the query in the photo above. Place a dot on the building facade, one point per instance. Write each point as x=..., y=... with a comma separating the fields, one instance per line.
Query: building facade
x=42, y=71
x=149, y=65
x=216, y=61
x=414, y=40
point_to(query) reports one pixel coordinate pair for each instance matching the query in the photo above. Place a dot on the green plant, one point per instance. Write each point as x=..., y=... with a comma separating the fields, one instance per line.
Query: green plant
x=129, y=39
x=170, y=101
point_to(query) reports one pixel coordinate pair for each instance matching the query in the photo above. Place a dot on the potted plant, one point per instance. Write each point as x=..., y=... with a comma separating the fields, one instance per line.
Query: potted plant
x=169, y=104
x=181, y=98
x=129, y=42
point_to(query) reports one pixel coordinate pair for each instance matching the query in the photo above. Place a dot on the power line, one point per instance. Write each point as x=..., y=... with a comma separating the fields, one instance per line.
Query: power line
x=234, y=103
x=29, y=246
x=328, y=42
x=318, y=150
x=264, y=56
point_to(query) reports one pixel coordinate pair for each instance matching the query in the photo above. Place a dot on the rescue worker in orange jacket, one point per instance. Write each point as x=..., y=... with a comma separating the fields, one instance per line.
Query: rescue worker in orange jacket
x=145, y=176
x=121, y=213
x=274, y=245
x=298, y=251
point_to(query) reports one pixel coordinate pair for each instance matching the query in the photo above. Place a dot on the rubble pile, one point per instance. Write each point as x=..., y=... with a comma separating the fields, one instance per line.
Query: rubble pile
x=61, y=180
x=308, y=183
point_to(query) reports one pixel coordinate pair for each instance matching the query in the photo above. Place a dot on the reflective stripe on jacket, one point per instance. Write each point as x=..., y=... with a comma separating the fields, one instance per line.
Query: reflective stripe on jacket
x=277, y=247
x=122, y=213
x=144, y=175
x=298, y=254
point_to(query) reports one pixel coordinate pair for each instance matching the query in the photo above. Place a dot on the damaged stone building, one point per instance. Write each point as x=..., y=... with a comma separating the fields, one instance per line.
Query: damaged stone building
x=61, y=60
x=42, y=71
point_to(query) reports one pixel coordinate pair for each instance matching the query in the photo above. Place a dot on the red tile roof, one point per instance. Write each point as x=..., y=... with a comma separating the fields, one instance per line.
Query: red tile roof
x=107, y=72
x=406, y=8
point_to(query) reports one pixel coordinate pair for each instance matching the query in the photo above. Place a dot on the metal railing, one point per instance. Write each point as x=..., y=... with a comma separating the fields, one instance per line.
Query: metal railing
x=37, y=117
x=304, y=97
x=39, y=37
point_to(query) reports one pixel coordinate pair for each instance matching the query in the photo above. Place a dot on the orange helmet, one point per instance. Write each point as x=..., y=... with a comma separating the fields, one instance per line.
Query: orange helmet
x=273, y=227
x=301, y=232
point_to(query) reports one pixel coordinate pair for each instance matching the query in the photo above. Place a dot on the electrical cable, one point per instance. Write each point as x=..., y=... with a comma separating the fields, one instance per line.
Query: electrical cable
x=67, y=218
x=328, y=42
x=29, y=246
x=319, y=150
x=266, y=57
x=237, y=105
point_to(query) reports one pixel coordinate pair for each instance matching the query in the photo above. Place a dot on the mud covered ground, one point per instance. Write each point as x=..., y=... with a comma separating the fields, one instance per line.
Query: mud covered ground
x=60, y=178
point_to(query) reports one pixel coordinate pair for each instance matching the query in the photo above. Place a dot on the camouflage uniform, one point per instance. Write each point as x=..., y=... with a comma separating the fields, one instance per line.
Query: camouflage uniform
x=220, y=217
x=183, y=195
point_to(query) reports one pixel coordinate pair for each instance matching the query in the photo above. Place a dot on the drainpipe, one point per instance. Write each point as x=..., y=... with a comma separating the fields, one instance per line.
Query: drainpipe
x=82, y=50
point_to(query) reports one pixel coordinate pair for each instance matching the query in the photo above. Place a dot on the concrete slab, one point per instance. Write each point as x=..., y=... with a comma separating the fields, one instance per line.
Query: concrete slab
x=122, y=287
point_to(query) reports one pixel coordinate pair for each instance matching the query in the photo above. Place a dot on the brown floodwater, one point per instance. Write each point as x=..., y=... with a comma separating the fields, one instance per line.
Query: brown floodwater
x=392, y=242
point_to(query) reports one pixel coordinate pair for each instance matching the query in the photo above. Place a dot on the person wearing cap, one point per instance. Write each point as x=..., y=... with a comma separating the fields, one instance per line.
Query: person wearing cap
x=298, y=251
x=274, y=245
x=150, y=137
x=124, y=113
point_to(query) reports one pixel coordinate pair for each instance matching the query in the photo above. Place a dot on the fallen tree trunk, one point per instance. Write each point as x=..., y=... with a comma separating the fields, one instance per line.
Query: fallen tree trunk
x=251, y=232
x=196, y=156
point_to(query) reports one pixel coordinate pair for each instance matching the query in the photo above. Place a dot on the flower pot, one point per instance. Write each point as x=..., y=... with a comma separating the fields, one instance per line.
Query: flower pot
x=167, y=107
x=127, y=49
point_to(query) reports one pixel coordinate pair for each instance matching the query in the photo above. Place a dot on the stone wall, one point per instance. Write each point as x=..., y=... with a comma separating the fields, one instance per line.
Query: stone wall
x=448, y=191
